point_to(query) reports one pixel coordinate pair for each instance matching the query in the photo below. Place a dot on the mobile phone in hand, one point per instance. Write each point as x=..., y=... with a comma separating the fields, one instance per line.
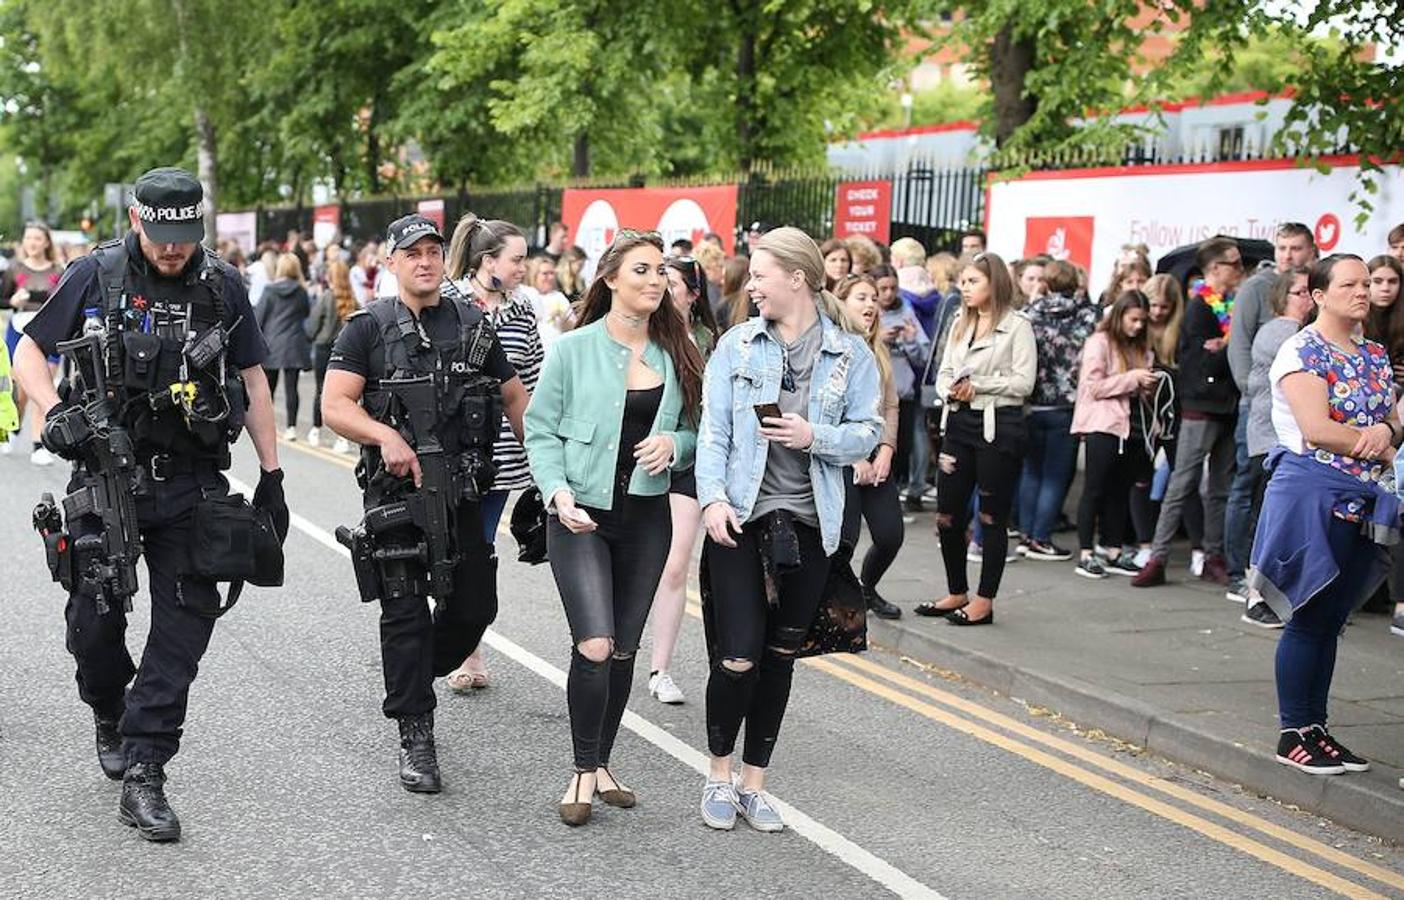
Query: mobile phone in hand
x=768, y=411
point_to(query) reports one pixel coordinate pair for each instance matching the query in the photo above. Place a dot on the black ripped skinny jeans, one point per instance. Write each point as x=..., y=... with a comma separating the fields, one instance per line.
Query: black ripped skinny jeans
x=968, y=462
x=1115, y=467
x=747, y=629
x=879, y=506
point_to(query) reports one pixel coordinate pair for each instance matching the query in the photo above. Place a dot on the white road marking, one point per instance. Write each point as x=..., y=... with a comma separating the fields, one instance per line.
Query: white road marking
x=817, y=833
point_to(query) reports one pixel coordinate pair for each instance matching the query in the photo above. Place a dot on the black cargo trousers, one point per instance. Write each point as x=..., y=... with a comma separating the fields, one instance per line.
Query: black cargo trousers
x=418, y=644
x=152, y=710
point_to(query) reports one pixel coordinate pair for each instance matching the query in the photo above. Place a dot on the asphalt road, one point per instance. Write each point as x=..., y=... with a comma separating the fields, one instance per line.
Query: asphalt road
x=896, y=779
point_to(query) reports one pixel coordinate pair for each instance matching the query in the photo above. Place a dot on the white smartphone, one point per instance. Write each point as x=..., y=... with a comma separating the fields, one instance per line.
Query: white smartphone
x=578, y=516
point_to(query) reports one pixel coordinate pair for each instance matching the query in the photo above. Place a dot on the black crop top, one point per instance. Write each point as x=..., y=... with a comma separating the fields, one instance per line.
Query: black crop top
x=640, y=409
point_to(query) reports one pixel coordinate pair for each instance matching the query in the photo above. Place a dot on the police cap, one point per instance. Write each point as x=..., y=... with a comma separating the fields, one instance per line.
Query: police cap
x=411, y=229
x=170, y=205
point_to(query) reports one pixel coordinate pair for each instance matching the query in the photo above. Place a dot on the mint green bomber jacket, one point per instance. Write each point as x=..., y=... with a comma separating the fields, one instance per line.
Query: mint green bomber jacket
x=576, y=413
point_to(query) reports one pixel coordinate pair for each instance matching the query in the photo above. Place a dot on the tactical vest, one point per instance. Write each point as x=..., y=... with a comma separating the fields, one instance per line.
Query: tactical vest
x=469, y=406
x=168, y=361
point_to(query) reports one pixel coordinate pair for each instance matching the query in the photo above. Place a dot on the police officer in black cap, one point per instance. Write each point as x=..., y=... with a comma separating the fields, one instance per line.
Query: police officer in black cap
x=429, y=332
x=178, y=373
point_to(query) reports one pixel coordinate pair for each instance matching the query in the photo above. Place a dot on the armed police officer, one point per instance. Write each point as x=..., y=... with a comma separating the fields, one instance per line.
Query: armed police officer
x=165, y=357
x=420, y=382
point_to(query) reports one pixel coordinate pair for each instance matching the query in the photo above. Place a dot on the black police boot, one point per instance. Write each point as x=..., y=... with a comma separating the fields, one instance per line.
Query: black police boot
x=419, y=762
x=109, y=746
x=144, y=805
x=880, y=607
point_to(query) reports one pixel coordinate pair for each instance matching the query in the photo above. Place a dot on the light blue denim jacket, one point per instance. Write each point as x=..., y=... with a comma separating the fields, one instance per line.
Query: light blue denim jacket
x=745, y=369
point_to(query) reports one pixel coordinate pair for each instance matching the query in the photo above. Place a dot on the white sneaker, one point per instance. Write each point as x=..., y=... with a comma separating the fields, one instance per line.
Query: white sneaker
x=41, y=457
x=290, y=433
x=662, y=686
x=929, y=493
x=314, y=437
x=342, y=445
x=1196, y=563
x=7, y=447
x=1142, y=557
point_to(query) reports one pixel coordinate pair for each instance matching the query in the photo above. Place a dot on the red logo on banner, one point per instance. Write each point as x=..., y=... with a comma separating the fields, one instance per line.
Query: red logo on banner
x=863, y=207
x=326, y=223
x=1061, y=237
x=433, y=210
x=1328, y=232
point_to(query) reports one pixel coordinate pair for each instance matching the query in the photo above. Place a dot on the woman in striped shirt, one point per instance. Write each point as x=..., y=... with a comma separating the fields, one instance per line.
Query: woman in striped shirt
x=487, y=261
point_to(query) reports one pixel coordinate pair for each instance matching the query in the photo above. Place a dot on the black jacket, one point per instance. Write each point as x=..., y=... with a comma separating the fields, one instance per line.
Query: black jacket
x=1206, y=382
x=282, y=316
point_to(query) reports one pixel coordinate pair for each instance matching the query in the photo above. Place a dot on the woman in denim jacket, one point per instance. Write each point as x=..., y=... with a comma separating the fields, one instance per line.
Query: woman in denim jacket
x=772, y=492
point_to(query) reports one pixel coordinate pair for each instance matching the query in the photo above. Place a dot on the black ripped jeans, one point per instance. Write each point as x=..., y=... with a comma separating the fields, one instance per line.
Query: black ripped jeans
x=967, y=462
x=759, y=640
x=607, y=579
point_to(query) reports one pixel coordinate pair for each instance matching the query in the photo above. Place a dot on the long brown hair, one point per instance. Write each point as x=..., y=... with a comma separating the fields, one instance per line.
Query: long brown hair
x=699, y=312
x=1132, y=350
x=339, y=283
x=738, y=302
x=474, y=238
x=876, y=344
x=665, y=326
x=1386, y=324
x=992, y=266
x=1113, y=292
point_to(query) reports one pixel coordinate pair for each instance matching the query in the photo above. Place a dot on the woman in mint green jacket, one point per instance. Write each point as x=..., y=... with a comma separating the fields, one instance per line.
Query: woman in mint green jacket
x=613, y=414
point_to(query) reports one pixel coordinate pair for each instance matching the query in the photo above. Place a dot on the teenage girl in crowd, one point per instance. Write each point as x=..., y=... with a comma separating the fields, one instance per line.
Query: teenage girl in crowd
x=687, y=286
x=282, y=318
x=1128, y=275
x=908, y=347
x=1315, y=558
x=735, y=297
x=986, y=376
x=1116, y=374
x=872, y=492
x=838, y=262
x=791, y=399
x=1167, y=312
x=608, y=424
x=487, y=261
x=551, y=304
x=334, y=307
x=26, y=287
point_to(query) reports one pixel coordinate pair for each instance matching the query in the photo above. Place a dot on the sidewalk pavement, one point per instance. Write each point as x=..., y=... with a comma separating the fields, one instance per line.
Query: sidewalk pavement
x=1170, y=668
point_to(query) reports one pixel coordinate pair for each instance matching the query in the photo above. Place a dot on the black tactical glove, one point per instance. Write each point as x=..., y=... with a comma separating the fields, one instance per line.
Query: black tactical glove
x=67, y=430
x=269, y=496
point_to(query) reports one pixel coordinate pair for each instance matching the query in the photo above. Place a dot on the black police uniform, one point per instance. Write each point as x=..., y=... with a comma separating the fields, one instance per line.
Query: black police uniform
x=180, y=466
x=417, y=645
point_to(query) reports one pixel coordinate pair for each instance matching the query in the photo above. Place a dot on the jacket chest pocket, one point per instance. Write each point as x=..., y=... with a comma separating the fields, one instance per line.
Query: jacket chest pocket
x=746, y=387
x=578, y=435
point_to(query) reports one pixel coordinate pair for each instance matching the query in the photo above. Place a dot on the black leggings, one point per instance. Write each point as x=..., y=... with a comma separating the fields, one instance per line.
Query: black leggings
x=757, y=639
x=289, y=390
x=966, y=461
x=906, y=433
x=321, y=356
x=1113, y=468
x=607, y=580
x=880, y=507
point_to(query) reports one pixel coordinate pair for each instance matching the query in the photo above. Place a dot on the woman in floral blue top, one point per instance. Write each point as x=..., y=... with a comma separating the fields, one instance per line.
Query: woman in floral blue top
x=1329, y=505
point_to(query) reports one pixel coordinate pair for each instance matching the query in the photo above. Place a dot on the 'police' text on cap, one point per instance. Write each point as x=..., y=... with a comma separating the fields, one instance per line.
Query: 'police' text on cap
x=409, y=229
x=170, y=205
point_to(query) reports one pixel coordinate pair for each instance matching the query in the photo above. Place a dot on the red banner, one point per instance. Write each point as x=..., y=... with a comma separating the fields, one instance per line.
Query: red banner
x=594, y=216
x=326, y=223
x=1061, y=237
x=433, y=210
x=863, y=207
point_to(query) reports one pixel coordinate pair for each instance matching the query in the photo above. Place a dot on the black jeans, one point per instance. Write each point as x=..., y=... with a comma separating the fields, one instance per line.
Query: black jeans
x=155, y=705
x=1115, y=467
x=289, y=379
x=607, y=579
x=417, y=645
x=906, y=436
x=967, y=461
x=759, y=640
x=881, y=508
x=321, y=357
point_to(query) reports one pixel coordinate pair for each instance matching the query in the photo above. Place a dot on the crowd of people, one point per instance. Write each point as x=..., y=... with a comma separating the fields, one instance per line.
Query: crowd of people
x=772, y=401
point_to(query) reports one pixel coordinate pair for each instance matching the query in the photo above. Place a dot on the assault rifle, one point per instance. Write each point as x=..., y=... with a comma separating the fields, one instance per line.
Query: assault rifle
x=430, y=509
x=97, y=555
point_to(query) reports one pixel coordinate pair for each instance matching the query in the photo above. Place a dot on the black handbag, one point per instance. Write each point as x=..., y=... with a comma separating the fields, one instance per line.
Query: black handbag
x=235, y=542
x=528, y=526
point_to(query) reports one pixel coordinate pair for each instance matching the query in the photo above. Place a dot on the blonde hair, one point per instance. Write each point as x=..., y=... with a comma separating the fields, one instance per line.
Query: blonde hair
x=289, y=266
x=796, y=251
x=908, y=252
x=878, y=346
x=708, y=254
x=1165, y=287
x=863, y=252
x=943, y=268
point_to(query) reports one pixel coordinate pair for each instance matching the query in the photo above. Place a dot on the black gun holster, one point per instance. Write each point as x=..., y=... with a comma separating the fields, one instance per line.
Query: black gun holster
x=389, y=556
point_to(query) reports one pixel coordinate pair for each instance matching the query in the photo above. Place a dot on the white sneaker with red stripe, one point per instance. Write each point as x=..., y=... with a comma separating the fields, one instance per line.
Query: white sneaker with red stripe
x=1302, y=751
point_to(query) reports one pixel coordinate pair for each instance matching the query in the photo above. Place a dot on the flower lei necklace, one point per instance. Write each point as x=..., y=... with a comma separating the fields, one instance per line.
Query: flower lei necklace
x=1221, y=306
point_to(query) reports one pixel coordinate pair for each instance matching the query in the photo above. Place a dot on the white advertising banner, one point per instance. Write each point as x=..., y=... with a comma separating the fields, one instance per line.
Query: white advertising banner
x=239, y=227
x=1086, y=215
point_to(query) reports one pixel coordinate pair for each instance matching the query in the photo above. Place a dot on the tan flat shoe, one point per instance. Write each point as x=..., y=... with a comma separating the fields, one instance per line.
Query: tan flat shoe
x=576, y=813
x=618, y=796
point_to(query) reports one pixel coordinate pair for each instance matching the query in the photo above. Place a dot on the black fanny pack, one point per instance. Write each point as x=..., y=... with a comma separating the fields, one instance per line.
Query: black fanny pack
x=235, y=542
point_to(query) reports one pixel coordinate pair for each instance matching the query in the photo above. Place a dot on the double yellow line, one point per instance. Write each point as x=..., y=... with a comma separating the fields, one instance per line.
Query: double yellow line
x=1091, y=769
